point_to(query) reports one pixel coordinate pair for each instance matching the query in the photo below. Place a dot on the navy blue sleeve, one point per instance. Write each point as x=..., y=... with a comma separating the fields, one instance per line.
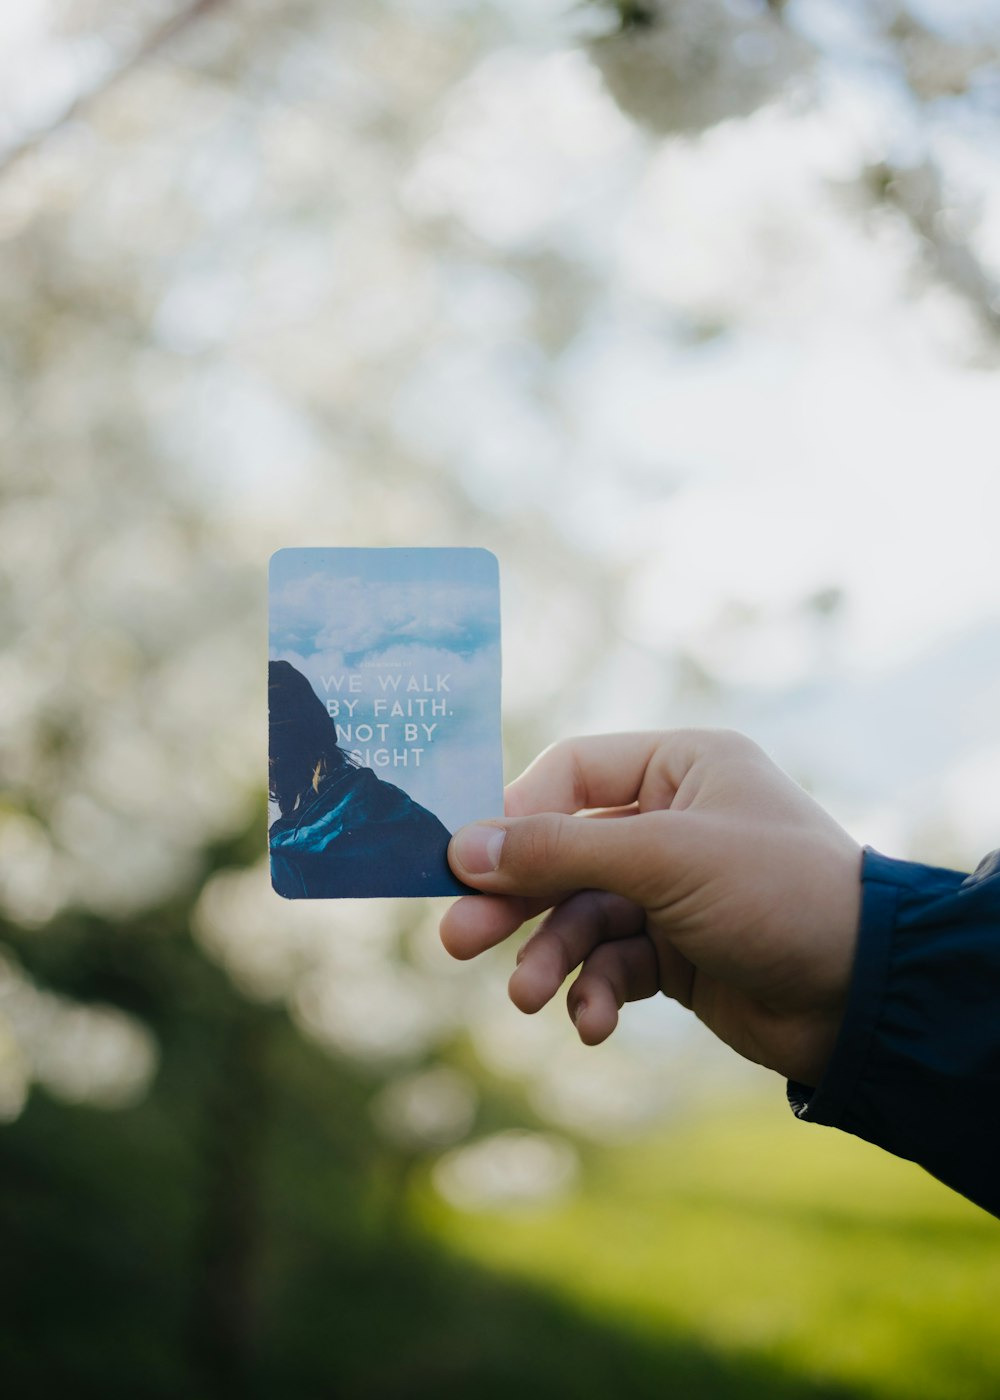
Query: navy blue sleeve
x=916, y=1066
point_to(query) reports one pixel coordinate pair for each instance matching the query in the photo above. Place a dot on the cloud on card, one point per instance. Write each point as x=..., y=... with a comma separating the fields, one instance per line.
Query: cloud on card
x=358, y=618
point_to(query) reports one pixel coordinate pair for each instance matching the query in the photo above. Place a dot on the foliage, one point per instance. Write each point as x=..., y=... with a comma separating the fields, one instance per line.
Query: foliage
x=802, y=1250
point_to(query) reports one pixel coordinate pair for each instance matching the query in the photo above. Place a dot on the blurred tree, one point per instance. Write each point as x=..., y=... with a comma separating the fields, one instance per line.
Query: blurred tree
x=680, y=66
x=181, y=290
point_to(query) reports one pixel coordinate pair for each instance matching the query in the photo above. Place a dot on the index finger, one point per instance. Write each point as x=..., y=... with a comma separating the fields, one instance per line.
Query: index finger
x=598, y=770
x=477, y=922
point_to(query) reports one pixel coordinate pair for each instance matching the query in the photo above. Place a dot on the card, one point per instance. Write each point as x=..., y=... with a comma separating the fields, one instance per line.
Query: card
x=384, y=717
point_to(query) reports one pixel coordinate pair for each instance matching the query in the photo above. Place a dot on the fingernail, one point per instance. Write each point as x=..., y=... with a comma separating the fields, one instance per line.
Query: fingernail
x=478, y=848
x=578, y=1011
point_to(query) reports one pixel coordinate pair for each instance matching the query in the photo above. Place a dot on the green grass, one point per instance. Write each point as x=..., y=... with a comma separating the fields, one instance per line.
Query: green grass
x=779, y=1242
x=242, y=1234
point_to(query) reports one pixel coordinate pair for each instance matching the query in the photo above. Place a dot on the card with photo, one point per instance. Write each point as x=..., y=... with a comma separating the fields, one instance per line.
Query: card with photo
x=384, y=717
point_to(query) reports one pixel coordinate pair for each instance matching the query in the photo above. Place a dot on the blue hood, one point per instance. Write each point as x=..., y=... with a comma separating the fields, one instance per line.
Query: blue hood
x=361, y=837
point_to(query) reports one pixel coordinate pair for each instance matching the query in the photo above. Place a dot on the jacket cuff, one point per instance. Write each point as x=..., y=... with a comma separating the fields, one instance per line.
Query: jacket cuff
x=916, y=1066
x=829, y=1101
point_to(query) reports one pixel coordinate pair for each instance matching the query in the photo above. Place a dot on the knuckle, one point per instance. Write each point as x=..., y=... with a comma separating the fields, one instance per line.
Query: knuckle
x=554, y=754
x=719, y=743
x=554, y=944
x=564, y=756
x=537, y=844
x=724, y=738
x=736, y=742
x=562, y=958
x=603, y=963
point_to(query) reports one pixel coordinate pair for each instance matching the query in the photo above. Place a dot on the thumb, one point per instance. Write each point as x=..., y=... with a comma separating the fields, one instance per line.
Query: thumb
x=551, y=855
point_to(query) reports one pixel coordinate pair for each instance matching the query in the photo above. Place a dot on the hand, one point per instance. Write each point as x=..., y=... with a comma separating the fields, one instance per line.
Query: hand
x=706, y=873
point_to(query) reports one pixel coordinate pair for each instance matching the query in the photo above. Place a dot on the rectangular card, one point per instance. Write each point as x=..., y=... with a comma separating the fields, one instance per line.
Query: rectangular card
x=384, y=717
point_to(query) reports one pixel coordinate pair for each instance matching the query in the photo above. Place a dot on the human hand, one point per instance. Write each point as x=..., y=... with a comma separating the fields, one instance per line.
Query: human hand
x=705, y=872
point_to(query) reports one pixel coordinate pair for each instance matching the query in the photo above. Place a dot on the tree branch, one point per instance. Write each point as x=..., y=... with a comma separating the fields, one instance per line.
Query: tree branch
x=151, y=44
x=918, y=194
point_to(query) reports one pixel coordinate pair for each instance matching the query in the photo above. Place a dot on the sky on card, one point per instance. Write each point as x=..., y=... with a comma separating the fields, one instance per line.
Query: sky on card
x=391, y=638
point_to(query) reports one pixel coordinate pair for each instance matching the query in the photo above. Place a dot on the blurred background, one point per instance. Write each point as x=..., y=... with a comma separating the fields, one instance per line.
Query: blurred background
x=690, y=311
